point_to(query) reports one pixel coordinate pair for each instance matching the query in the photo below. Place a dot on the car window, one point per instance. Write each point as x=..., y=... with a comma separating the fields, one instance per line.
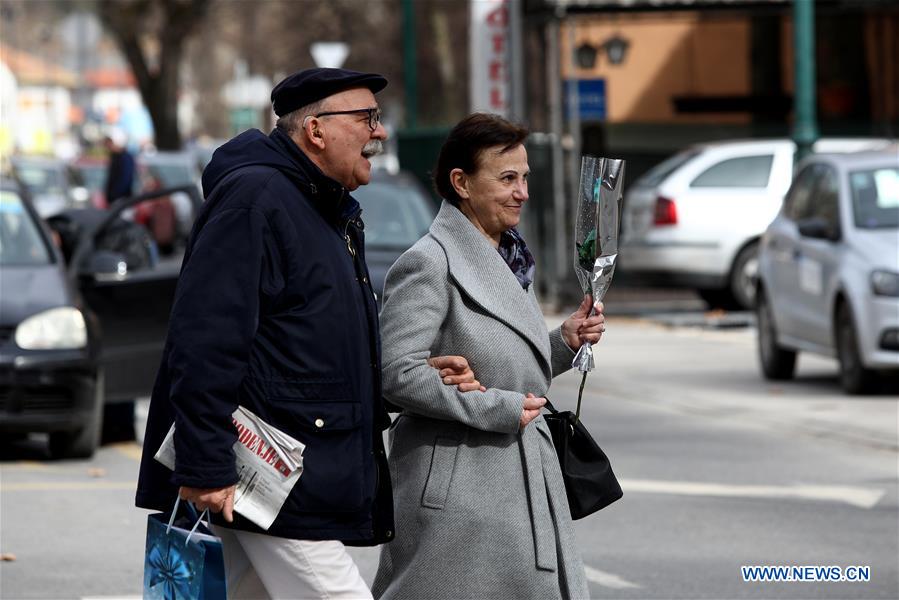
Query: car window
x=94, y=176
x=875, y=198
x=798, y=200
x=170, y=174
x=41, y=180
x=661, y=171
x=745, y=171
x=825, y=200
x=395, y=216
x=75, y=177
x=21, y=242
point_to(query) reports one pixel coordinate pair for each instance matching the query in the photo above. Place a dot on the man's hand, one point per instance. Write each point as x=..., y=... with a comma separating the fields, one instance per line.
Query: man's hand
x=530, y=409
x=578, y=329
x=217, y=499
x=455, y=371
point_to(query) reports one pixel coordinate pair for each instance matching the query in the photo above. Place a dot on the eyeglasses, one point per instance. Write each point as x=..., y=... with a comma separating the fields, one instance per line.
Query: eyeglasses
x=374, y=115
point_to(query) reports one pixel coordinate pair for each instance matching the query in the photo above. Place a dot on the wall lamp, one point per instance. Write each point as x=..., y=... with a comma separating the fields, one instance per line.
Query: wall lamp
x=615, y=48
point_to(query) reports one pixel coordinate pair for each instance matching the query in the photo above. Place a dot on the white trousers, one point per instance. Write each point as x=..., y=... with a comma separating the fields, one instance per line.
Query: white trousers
x=260, y=567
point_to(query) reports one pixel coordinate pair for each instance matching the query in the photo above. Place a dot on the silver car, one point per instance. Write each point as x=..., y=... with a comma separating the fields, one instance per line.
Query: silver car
x=695, y=219
x=829, y=270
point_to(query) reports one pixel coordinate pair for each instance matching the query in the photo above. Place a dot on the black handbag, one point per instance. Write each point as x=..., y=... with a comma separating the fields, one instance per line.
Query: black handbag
x=590, y=483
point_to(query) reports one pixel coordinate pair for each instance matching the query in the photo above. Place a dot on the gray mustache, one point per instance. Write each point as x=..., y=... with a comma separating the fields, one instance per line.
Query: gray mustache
x=372, y=148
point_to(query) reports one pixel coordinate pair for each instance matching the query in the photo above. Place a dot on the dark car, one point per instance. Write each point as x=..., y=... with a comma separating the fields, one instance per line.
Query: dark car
x=82, y=324
x=52, y=184
x=50, y=380
x=397, y=212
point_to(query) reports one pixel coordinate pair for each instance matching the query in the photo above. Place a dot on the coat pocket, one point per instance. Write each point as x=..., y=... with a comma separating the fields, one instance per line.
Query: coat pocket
x=443, y=462
x=330, y=425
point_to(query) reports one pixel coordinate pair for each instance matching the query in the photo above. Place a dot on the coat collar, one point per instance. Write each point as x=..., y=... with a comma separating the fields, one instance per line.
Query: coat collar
x=484, y=276
x=330, y=198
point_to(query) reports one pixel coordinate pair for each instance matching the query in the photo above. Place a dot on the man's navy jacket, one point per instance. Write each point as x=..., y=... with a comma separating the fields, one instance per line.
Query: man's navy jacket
x=274, y=312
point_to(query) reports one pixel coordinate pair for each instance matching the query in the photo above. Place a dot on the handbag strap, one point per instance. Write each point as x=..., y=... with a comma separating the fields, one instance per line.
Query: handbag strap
x=577, y=415
x=549, y=406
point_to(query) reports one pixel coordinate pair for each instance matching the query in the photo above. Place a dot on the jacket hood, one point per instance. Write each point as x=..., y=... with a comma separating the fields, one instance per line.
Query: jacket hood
x=252, y=147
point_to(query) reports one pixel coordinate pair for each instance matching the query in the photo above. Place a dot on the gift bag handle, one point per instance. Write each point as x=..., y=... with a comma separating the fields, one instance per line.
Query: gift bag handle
x=193, y=510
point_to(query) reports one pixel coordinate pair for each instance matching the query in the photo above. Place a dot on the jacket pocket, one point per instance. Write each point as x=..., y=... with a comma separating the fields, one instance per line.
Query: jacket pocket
x=443, y=462
x=307, y=390
x=330, y=425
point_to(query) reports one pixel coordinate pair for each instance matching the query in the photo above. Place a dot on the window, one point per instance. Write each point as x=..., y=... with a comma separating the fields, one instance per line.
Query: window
x=875, y=198
x=825, y=203
x=395, y=215
x=745, y=171
x=797, y=202
x=41, y=179
x=21, y=242
x=661, y=171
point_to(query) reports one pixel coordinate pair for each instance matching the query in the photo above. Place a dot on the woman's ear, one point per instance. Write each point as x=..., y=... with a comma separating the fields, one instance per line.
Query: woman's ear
x=459, y=181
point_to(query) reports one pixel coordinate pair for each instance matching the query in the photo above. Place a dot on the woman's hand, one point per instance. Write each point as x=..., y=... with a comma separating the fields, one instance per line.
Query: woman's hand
x=530, y=409
x=455, y=371
x=578, y=329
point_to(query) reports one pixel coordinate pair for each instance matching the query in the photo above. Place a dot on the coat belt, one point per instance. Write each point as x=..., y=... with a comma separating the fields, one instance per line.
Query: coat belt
x=543, y=523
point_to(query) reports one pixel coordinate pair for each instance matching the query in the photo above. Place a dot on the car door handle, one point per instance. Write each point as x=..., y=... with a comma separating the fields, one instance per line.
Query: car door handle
x=797, y=254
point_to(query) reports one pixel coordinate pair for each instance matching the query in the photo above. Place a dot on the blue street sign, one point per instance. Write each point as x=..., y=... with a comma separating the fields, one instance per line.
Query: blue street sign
x=591, y=98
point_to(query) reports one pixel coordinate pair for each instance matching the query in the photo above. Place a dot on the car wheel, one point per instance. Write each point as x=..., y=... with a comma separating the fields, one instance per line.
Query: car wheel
x=778, y=363
x=83, y=442
x=744, y=276
x=854, y=377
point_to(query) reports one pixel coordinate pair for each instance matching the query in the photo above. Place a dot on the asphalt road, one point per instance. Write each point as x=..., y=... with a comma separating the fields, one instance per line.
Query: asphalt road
x=720, y=470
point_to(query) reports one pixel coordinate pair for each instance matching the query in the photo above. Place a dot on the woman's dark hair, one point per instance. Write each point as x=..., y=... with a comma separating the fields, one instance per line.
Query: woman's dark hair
x=467, y=142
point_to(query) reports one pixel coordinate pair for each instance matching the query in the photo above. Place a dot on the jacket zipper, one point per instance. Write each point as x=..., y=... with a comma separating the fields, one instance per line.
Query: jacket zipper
x=346, y=236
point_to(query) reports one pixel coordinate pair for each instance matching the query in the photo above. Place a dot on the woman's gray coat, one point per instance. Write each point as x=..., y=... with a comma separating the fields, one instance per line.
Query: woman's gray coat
x=481, y=510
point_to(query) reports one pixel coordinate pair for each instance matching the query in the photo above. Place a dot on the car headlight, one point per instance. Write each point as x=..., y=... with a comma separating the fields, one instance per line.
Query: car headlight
x=55, y=329
x=885, y=283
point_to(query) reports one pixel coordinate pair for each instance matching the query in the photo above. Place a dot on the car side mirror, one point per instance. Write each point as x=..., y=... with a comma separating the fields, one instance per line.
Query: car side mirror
x=105, y=265
x=818, y=228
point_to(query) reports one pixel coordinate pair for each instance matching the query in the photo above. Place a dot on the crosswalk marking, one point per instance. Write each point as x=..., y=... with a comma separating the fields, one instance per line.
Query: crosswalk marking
x=854, y=496
x=609, y=580
x=31, y=486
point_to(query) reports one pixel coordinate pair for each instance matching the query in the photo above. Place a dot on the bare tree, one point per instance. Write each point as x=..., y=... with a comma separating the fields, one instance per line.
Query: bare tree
x=152, y=35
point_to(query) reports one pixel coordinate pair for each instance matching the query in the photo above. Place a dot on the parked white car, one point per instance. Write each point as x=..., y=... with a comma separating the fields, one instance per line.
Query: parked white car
x=695, y=219
x=829, y=270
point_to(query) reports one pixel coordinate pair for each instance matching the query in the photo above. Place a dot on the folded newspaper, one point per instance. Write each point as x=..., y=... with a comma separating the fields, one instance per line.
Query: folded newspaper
x=269, y=463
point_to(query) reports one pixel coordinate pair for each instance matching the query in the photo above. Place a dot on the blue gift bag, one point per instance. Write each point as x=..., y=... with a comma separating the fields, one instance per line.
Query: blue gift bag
x=182, y=563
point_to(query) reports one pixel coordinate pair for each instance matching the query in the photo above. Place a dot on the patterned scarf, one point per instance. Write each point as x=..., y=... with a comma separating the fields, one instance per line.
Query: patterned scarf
x=516, y=254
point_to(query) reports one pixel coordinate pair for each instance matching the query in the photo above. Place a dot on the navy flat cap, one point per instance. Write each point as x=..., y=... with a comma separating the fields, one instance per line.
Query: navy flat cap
x=311, y=85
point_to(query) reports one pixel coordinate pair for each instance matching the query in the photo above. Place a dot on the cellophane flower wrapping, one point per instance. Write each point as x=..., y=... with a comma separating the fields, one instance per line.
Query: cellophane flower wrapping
x=600, y=194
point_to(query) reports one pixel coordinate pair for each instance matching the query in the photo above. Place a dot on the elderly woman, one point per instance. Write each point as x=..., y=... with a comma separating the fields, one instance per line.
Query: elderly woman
x=481, y=510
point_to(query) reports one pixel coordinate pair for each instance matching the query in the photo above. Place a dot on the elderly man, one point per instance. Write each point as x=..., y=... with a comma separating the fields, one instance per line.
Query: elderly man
x=274, y=312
